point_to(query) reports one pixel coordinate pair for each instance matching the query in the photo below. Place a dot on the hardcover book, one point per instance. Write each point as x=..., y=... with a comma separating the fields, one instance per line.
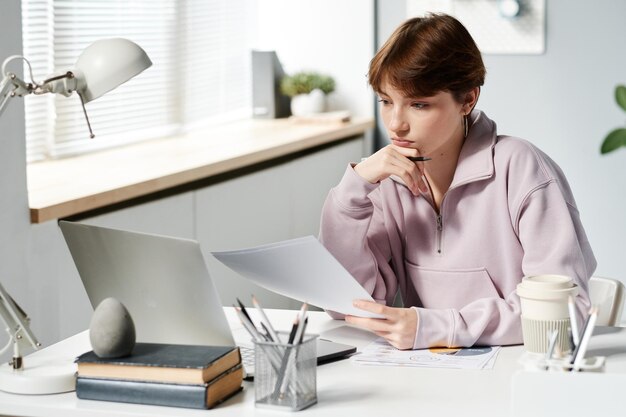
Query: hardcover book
x=204, y=396
x=156, y=362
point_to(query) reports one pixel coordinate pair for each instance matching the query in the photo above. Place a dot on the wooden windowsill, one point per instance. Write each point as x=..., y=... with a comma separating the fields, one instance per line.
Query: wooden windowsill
x=66, y=187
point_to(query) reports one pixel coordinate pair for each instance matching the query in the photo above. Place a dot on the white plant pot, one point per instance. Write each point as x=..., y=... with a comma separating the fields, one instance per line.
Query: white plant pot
x=307, y=104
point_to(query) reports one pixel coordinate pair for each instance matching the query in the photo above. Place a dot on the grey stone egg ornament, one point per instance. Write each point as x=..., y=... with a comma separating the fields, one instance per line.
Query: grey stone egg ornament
x=111, y=331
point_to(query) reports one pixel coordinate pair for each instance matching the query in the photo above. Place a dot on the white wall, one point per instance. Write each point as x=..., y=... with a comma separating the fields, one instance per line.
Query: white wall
x=332, y=37
x=36, y=291
x=563, y=102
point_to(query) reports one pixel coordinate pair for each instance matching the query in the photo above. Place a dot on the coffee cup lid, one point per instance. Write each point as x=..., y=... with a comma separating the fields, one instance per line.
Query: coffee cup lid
x=548, y=282
x=547, y=287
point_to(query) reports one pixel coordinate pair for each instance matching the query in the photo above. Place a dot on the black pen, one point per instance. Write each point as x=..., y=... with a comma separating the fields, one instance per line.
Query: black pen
x=419, y=158
x=245, y=313
x=248, y=325
x=306, y=321
x=292, y=333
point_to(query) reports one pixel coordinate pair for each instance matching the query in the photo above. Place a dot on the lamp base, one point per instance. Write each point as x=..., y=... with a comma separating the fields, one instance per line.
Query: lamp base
x=41, y=375
x=50, y=370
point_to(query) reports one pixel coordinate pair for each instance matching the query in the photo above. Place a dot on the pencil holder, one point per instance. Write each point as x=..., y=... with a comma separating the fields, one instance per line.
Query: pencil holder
x=285, y=376
x=536, y=362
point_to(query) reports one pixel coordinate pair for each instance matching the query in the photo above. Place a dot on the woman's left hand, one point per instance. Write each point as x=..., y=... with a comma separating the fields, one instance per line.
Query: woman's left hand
x=398, y=327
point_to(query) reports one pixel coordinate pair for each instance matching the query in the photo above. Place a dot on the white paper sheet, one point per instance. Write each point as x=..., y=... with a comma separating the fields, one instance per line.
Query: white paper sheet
x=381, y=353
x=301, y=269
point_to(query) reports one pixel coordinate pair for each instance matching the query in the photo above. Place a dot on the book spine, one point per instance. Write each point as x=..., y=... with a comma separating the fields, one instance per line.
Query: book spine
x=172, y=395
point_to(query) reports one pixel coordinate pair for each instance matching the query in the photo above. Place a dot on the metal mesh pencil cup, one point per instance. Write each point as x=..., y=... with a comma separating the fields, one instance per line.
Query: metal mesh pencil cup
x=285, y=376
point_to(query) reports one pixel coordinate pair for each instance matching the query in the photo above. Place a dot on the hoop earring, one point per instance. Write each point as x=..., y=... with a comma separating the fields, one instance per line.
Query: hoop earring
x=465, y=125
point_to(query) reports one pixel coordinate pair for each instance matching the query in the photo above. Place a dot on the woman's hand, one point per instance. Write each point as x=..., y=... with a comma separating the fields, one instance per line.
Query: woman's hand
x=393, y=160
x=398, y=327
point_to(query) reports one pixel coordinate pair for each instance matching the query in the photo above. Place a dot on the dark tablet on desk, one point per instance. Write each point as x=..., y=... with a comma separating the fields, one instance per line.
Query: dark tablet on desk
x=328, y=351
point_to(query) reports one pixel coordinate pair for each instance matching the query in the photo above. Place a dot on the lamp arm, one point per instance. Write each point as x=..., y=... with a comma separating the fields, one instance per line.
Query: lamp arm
x=17, y=326
x=65, y=84
x=11, y=85
x=6, y=92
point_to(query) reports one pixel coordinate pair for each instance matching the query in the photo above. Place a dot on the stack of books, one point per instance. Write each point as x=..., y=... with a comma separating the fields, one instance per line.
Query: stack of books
x=162, y=374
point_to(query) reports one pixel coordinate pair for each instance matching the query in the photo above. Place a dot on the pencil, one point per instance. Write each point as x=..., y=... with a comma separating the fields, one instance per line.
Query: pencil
x=265, y=322
x=248, y=325
x=579, y=353
x=551, y=344
x=573, y=320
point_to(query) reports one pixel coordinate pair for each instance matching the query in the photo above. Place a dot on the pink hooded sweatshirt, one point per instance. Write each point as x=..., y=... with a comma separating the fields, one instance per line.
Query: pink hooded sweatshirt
x=508, y=213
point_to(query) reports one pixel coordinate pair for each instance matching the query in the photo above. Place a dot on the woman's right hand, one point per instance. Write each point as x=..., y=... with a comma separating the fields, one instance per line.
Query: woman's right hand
x=393, y=160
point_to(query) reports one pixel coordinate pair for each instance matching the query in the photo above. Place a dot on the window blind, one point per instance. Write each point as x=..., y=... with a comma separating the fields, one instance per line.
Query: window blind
x=200, y=74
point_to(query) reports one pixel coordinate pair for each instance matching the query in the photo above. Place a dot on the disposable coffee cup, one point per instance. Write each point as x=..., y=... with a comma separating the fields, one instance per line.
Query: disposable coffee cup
x=544, y=301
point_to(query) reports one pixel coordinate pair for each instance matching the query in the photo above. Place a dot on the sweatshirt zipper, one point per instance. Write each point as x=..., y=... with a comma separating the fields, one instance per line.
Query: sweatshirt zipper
x=439, y=230
x=439, y=233
x=439, y=219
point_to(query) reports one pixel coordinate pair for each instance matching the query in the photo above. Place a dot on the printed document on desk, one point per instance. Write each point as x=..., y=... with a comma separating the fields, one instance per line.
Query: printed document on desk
x=381, y=353
x=299, y=268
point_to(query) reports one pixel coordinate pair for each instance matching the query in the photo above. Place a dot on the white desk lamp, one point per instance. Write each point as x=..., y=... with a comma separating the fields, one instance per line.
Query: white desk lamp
x=103, y=66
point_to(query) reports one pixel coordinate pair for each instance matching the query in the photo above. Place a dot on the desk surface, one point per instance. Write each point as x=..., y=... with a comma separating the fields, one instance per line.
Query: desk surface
x=344, y=388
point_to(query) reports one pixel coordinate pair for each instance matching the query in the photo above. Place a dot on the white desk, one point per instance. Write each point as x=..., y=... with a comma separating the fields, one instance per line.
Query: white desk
x=344, y=389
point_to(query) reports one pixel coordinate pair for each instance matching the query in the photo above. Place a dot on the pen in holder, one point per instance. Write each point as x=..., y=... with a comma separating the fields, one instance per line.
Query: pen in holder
x=286, y=374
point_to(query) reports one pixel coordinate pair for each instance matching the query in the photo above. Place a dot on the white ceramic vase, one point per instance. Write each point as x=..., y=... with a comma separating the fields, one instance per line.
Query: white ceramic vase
x=308, y=104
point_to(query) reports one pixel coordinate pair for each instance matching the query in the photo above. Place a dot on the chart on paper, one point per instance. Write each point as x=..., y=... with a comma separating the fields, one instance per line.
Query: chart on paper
x=381, y=353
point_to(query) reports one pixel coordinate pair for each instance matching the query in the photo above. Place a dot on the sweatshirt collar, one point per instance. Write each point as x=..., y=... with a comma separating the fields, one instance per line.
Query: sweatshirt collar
x=476, y=157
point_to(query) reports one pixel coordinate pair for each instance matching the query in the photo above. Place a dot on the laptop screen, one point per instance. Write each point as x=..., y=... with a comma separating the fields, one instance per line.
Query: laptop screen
x=163, y=282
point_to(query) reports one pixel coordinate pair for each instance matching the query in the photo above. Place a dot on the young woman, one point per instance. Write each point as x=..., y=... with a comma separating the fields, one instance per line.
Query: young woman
x=454, y=234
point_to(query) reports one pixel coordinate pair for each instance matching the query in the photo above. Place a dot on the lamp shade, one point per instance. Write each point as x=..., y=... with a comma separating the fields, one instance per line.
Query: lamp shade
x=106, y=64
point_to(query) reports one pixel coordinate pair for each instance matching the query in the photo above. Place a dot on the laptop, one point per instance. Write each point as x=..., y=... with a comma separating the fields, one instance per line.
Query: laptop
x=165, y=285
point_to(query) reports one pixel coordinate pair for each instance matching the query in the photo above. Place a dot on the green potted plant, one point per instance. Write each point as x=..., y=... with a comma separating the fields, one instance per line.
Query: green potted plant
x=617, y=137
x=308, y=91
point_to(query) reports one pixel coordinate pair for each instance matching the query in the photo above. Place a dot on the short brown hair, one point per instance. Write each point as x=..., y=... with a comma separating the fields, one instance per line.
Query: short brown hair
x=427, y=55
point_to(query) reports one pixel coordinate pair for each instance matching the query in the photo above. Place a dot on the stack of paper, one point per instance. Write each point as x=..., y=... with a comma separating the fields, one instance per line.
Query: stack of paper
x=381, y=353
